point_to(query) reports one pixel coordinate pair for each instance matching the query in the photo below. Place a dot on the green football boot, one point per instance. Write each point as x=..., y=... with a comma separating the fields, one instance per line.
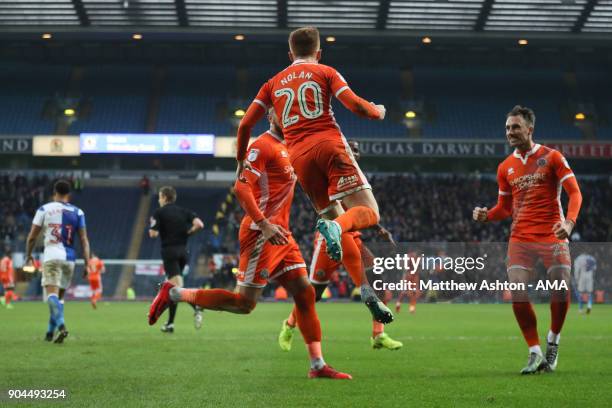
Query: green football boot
x=285, y=337
x=384, y=341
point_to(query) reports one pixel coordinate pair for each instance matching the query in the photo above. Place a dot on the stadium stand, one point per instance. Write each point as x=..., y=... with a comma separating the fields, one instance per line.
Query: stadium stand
x=25, y=89
x=118, y=96
x=454, y=102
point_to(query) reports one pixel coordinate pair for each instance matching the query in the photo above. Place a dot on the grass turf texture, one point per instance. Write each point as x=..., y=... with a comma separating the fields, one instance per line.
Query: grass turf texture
x=453, y=355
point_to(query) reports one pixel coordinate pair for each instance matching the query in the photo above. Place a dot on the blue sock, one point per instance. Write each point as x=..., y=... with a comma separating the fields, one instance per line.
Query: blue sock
x=60, y=319
x=56, y=309
x=580, y=303
x=590, y=304
x=52, y=325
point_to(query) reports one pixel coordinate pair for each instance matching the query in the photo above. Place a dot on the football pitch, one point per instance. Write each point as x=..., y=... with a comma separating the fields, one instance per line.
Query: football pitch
x=453, y=355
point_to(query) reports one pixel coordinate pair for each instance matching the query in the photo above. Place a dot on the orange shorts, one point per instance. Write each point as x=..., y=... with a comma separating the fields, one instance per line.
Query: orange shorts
x=95, y=284
x=328, y=172
x=260, y=261
x=525, y=255
x=322, y=267
x=7, y=282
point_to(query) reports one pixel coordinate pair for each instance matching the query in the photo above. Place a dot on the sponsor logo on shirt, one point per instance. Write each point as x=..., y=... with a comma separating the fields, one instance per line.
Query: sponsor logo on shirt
x=528, y=180
x=511, y=170
x=346, y=181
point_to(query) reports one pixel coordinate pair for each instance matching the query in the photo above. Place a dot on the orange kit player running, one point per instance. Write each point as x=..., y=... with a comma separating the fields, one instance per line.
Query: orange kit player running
x=326, y=169
x=268, y=251
x=322, y=267
x=95, y=268
x=412, y=295
x=7, y=278
x=530, y=182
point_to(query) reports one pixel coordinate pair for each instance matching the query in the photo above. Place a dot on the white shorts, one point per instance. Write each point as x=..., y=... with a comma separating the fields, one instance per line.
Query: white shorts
x=57, y=273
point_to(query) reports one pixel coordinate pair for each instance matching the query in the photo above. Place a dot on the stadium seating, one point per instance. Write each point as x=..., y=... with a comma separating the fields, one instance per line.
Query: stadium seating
x=109, y=214
x=25, y=89
x=118, y=96
x=472, y=102
x=458, y=102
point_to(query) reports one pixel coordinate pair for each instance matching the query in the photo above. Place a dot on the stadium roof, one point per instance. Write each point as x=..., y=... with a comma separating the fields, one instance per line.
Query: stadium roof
x=389, y=16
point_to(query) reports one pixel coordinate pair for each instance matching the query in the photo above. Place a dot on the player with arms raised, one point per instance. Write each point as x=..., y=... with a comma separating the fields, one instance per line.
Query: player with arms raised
x=530, y=182
x=268, y=251
x=326, y=169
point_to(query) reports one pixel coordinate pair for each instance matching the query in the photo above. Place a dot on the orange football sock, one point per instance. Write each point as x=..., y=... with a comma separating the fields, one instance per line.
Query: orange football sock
x=9, y=296
x=526, y=318
x=292, y=319
x=307, y=318
x=351, y=259
x=357, y=218
x=217, y=299
x=559, y=304
x=377, y=328
x=314, y=350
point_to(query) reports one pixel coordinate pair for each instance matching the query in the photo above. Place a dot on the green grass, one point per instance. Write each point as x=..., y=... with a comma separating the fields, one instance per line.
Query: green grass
x=453, y=355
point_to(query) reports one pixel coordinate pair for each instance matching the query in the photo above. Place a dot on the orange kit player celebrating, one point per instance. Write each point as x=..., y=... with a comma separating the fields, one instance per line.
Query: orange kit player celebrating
x=322, y=267
x=530, y=182
x=7, y=278
x=95, y=268
x=326, y=169
x=268, y=251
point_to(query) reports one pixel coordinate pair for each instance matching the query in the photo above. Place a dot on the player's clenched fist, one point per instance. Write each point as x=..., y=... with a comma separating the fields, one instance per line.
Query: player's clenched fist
x=480, y=214
x=382, y=111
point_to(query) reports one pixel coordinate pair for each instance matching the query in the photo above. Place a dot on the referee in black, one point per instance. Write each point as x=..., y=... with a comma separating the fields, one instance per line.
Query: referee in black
x=174, y=224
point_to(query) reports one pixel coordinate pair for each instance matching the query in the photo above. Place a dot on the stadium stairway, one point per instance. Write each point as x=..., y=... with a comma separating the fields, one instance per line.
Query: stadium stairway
x=127, y=274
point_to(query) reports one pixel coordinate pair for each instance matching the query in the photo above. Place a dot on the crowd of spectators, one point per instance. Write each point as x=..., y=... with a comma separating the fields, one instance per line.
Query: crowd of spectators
x=20, y=196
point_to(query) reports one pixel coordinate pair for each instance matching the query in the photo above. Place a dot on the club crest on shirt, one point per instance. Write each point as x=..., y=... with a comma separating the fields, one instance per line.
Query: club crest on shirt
x=511, y=170
x=320, y=274
x=264, y=274
x=253, y=153
x=541, y=162
x=284, y=153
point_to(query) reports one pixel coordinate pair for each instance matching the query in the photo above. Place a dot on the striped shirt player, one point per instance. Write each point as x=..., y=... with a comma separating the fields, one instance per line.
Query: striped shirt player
x=60, y=223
